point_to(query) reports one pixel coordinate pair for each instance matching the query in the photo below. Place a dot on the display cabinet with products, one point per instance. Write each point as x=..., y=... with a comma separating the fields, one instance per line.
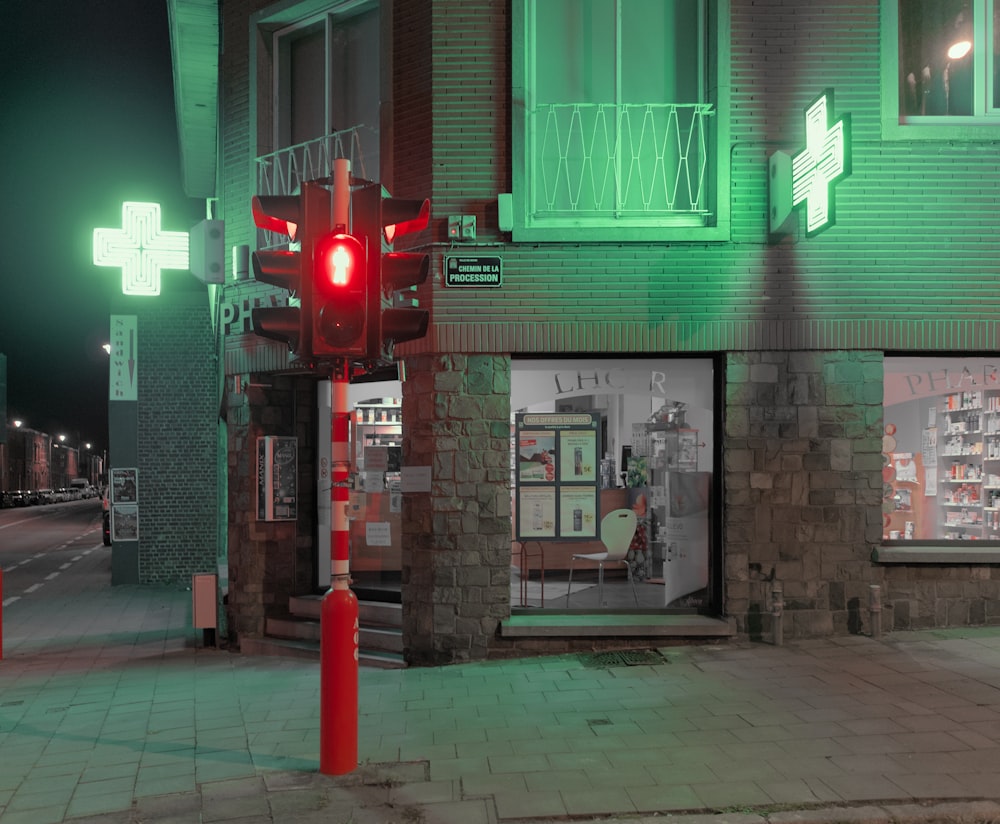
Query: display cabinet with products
x=377, y=422
x=962, y=451
x=674, y=526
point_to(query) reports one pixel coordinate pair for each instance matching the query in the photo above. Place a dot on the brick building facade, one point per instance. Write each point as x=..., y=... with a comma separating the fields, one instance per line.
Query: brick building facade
x=799, y=329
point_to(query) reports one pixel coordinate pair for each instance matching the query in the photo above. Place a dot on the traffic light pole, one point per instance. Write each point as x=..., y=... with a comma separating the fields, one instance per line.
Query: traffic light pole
x=339, y=617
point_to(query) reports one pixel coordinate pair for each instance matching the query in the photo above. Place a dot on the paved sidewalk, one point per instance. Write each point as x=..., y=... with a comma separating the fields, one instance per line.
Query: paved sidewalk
x=109, y=712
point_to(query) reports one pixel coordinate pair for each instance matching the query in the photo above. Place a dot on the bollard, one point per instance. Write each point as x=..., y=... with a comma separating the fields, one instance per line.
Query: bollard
x=875, y=609
x=777, y=614
x=1, y=613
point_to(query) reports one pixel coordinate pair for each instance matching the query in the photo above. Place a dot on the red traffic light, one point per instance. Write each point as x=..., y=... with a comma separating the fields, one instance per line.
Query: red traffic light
x=338, y=265
x=340, y=285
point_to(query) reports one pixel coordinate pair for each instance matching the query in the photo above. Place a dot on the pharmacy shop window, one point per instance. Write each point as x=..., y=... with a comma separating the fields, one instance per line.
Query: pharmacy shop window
x=941, y=450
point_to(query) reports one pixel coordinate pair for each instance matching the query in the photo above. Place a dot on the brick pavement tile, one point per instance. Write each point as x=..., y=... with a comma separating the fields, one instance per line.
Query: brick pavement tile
x=99, y=804
x=567, y=781
x=655, y=799
x=478, y=784
x=859, y=787
x=528, y=764
x=871, y=744
x=547, y=803
x=928, y=762
x=745, y=770
x=931, y=785
x=598, y=801
x=808, y=767
x=797, y=791
x=973, y=761
x=667, y=774
x=724, y=794
x=39, y=815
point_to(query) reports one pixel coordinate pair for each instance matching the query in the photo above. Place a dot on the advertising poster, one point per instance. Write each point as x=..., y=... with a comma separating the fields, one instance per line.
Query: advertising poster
x=277, y=478
x=578, y=456
x=536, y=457
x=557, y=476
x=577, y=513
x=124, y=486
x=536, y=508
x=124, y=522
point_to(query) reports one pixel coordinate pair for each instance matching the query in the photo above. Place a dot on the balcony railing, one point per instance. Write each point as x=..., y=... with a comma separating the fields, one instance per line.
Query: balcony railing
x=631, y=162
x=282, y=172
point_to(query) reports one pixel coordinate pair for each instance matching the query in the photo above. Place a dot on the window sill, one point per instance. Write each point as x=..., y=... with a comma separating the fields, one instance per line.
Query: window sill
x=972, y=130
x=942, y=554
x=619, y=234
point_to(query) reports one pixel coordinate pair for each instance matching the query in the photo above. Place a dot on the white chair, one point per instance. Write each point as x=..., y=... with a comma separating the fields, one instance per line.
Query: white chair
x=617, y=529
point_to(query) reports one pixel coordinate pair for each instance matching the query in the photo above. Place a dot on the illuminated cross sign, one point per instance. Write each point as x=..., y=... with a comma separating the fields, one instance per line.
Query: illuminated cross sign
x=141, y=249
x=824, y=161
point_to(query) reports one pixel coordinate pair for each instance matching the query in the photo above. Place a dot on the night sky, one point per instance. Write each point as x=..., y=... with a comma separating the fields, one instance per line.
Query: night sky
x=87, y=122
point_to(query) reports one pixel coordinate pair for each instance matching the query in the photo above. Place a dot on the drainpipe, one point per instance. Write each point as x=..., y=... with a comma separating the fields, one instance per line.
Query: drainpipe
x=777, y=613
x=875, y=609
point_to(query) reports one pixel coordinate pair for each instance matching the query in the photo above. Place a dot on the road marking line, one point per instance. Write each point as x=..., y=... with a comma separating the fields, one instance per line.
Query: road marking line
x=50, y=576
x=65, y=566
x=75, y=558
x=32, y=588
x=12, y=599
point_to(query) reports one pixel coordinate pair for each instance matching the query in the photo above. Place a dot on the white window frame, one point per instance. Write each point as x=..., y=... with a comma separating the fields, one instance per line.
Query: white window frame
x=984, y=125
x=528, y=229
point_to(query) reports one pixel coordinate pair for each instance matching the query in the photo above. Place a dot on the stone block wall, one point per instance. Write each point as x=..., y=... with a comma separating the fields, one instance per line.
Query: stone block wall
x=456, y=537
x=803, y=487
x=929, y=596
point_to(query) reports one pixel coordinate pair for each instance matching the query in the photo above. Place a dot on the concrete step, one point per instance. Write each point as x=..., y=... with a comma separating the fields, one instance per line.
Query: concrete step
x=373, y=659
x=279, y=646
x=380, y=613
x=292, y=628
x=380, y=637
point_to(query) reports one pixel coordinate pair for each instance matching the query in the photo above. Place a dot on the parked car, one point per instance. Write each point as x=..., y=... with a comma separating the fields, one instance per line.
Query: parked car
x=47, y=496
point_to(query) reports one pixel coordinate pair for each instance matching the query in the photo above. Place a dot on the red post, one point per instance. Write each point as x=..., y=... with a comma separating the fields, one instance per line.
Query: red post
x=338, y=718
x=1, y=613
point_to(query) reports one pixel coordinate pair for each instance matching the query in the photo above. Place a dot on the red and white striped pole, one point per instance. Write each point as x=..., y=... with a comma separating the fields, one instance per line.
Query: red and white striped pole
x=338, y=717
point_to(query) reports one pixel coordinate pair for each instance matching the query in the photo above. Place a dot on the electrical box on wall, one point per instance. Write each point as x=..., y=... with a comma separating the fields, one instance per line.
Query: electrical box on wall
x=462, y=227
x=277, y=478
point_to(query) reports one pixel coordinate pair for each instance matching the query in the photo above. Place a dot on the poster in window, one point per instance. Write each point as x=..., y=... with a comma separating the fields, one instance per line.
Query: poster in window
x=578, y=456
x=536, y=507
x=577, y=513
x=536, y=455
x=557, y=476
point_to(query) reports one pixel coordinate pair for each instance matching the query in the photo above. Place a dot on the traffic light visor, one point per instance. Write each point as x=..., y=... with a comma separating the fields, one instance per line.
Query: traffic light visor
x=277, y=213
x=401, y=217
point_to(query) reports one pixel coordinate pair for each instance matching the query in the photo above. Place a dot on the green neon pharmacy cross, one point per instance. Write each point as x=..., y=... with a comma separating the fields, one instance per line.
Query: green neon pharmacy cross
x=141, y=249
x=825, y=160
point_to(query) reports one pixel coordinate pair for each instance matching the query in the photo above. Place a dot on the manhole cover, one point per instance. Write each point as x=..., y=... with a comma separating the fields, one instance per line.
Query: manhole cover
x=622, y=658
